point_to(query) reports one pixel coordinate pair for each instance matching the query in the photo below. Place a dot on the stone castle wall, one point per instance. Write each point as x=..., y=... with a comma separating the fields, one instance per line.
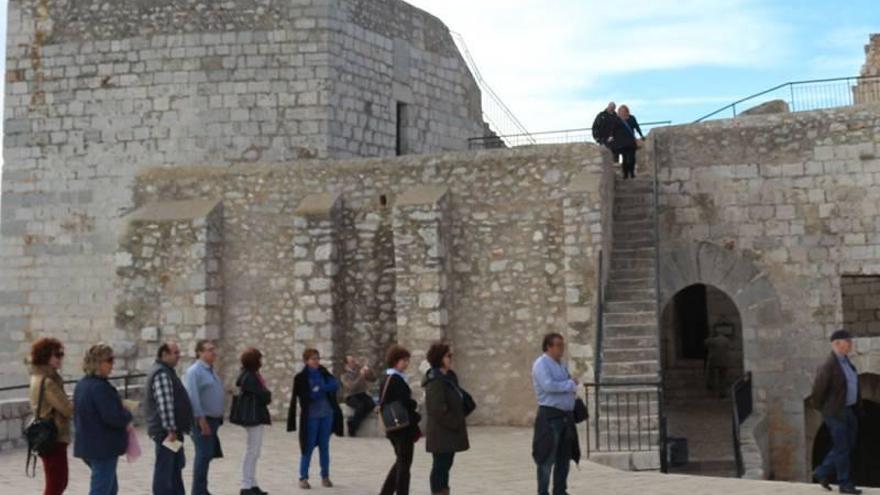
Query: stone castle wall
x=868, y=90
x=773, y=210
x=488, y=250
x=96, y=92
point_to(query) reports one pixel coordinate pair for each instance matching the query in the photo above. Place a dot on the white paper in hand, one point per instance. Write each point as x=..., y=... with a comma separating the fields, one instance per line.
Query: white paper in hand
x=173, y=446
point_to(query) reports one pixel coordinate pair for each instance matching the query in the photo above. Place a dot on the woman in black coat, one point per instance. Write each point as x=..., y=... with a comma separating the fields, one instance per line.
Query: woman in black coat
x=320, y=415
x=447, y=406
x=251, y=411
x=396, y=389
x=623, y=140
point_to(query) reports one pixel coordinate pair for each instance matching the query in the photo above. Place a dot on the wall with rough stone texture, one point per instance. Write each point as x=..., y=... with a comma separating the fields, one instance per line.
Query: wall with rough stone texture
x=868, y=90
x=97, y=91
x=488, y=250
x=773, y=210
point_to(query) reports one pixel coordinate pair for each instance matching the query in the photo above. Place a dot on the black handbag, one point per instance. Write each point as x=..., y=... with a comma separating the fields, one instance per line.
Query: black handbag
x=244, y=408
x=41, y=434
x=580, y=411
x=467, y=402
x=395, y=416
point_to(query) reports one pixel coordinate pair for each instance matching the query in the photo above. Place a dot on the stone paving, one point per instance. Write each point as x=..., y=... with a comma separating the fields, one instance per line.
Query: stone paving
x=498, y=463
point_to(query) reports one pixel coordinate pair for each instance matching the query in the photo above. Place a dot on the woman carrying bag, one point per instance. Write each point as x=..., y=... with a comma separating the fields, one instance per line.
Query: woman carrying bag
x=398, y=407
x=447, y=406
x=250, y=409
x=50, y=403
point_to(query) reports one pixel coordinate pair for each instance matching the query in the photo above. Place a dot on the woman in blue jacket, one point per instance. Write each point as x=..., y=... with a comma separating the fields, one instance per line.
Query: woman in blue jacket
x=101, y=421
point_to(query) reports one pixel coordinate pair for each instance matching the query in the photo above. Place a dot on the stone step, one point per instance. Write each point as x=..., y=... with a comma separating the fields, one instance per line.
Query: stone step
x=633, y=225
x=632, y=274
x=645, y=328
x=629, y=354
x=622, y=244
x=622, y=203
x=642, y=252
x=636, y=292
x=628, y=368
x=629, y=263
x=628, y=286
x=629, y=306
x=633, y=235
x=623, y=320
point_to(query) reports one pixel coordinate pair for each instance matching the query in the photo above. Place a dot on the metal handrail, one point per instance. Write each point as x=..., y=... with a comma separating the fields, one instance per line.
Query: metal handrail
x=741, y=398
x=600, y=315
x=791, y=85
x=126, y=381
x=624, y=440
x=657, y=301
x=533, y=137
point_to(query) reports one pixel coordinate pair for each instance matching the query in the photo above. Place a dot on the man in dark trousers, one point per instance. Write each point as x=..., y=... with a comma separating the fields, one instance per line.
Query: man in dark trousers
x=555, y=441
x=836, y=393
x=169, y=418
x=604, y=123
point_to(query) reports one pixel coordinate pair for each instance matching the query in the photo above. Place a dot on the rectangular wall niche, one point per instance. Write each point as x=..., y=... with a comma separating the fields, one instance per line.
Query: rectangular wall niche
x=861, y=304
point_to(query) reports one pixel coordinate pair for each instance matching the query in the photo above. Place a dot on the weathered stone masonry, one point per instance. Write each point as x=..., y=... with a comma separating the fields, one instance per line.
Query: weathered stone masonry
x=477, y=245
x=97, y=91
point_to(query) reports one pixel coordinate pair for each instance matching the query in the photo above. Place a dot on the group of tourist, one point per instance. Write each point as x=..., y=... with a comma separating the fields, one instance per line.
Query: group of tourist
x=616, y=129
x=194, y=406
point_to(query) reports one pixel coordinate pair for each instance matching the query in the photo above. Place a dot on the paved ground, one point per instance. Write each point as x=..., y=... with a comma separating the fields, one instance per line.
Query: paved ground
x=499, y=463
x=706, y=424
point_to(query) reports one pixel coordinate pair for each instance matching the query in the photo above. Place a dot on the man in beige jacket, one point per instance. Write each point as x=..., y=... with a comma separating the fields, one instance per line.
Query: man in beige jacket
x=355, y=381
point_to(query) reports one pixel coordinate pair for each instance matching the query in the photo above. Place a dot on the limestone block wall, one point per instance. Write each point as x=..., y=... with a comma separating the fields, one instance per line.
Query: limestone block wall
x=96, y=94
x=773, y=210
x=169, y=277
x=506, y=229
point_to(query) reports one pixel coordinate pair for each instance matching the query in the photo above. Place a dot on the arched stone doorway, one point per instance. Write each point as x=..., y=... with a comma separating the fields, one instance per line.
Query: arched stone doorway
x=866, y=457
x=703, y=356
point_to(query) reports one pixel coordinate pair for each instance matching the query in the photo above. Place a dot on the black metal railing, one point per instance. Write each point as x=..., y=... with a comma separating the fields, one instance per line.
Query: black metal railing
x=600, y=318
x=741, y=396
x=815, y=94
x=127, y=380
x=655, y=193
x=582, y=135
x=625, y=418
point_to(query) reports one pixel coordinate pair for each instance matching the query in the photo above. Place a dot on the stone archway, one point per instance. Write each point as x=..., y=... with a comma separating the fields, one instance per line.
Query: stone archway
x=734, y=274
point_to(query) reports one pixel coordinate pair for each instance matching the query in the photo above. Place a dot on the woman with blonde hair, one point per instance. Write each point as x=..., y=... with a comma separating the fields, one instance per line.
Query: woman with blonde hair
x=48, y=400
x=101, y=421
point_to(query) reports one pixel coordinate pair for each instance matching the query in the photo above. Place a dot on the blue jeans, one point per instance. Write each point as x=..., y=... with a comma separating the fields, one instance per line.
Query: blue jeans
x=206, y=450
x=560, y=458
x=103, y=481
x=167, y=476
x=844, y=433
x=318, y=431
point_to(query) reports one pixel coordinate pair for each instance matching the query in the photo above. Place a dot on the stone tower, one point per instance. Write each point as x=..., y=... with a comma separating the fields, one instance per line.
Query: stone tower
x=99, y=90
x=868, y=90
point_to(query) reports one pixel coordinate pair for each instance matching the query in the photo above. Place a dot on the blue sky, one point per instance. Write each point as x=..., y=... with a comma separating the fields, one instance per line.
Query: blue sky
x=557, y=62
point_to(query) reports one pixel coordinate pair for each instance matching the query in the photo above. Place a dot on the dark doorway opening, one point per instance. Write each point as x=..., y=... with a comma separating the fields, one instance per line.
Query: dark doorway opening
x=866, y=457
x=693, y=321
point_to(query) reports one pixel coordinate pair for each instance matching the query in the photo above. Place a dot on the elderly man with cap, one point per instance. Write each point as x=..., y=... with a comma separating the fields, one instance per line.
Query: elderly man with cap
x=836, y=393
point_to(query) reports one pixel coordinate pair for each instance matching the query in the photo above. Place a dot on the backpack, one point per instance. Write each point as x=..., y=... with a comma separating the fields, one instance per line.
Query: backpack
x=41, y=434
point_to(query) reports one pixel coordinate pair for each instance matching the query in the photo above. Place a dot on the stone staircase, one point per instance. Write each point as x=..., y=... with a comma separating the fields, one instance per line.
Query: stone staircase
x=628, y=405
x=630, y=347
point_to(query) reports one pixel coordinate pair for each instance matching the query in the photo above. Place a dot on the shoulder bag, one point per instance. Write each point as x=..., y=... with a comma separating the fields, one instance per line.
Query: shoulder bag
x=395, y=416
x=41, y=434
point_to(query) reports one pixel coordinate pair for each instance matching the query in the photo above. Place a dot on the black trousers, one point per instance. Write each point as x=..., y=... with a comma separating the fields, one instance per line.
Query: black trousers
x=440, y=471
x=629, y=162
x=363, y=405
x=397, y=481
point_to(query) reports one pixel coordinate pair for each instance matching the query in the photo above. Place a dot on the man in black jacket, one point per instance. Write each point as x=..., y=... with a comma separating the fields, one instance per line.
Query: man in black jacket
x=836, y=393
x=604, y=123
x=169, y=417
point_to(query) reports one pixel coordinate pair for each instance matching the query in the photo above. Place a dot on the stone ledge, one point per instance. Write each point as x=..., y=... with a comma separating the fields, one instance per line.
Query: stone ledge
x=165, y=211
x=421, y=195
x=317, y=205
x=755, y=447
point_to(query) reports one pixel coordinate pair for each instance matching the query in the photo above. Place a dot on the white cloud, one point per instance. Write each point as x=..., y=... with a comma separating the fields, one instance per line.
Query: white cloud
x=540, y=56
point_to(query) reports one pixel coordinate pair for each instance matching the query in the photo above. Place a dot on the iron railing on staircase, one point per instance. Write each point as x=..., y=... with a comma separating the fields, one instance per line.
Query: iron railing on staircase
x=655, y=165
x=600, y=317
x=741, y=397
x=564, y=136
